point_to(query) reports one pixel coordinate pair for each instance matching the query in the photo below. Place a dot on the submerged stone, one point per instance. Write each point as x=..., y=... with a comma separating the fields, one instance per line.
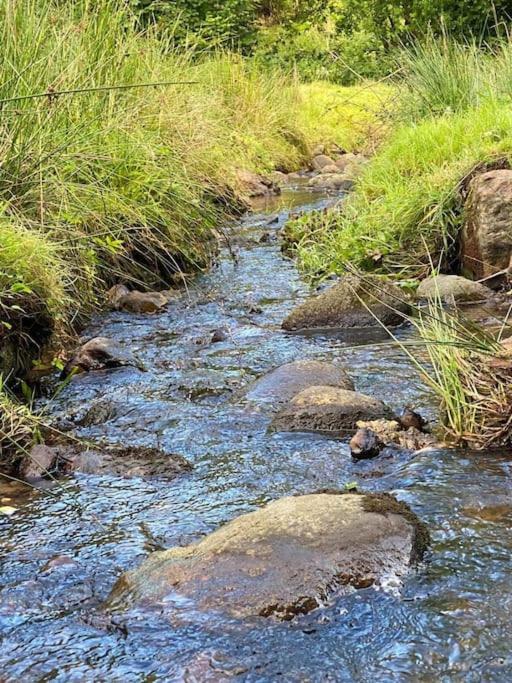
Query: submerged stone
x=329, y=410
x=284, y=559
x=354, y=301
x=286, y=381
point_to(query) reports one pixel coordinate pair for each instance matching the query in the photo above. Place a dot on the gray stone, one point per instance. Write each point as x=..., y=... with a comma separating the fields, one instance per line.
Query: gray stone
x=329, y=410
x=283, y=383
x=286, y=558
x=320, y=161
x=450, y=288
x=332, y=168
x=332, y=182
x=346, y=304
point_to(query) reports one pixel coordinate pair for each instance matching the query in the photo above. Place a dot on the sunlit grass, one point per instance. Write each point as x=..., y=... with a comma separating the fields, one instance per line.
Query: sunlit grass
x=452, y=114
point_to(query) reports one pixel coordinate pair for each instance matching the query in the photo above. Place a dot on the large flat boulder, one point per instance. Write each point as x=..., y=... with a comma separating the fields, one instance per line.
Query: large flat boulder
x=286, y=558
x=283, y=383
x=450, y=288
x=354, y=301
x=486, y=244
x=329, y=410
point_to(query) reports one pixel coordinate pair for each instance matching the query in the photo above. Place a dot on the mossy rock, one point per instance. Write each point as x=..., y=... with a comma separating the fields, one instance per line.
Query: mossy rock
x=354, y=301
x=284, y=559
x=330, y=411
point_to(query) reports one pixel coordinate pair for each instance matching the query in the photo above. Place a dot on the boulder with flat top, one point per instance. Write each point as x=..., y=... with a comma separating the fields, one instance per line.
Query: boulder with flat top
x=287, y=558
x=330, y=411
x=283, y=383
x=354, y=301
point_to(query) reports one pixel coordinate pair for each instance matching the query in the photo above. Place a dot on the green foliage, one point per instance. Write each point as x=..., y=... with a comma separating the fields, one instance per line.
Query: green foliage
x=454, y=114
x=343, y=40
x=205, y=22
x=393, y=21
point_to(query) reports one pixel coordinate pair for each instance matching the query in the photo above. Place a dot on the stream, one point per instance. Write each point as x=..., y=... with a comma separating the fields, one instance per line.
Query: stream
x=62, y=551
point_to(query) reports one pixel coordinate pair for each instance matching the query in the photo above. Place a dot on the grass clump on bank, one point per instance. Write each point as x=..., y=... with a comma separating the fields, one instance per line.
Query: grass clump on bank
x=470, y=371
x=453, y=116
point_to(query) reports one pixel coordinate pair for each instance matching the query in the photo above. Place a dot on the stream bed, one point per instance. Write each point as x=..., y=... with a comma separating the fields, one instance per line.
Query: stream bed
x=61, y=553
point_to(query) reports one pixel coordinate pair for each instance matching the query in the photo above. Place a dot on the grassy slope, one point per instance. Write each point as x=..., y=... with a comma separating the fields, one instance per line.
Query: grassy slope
x=454, y=115
x=347, y=116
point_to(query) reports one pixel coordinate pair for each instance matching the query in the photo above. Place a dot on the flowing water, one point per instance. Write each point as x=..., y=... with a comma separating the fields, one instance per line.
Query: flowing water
x=63, y=550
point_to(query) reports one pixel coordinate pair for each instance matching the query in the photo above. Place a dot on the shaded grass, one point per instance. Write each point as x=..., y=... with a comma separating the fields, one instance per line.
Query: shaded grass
x=470, y=371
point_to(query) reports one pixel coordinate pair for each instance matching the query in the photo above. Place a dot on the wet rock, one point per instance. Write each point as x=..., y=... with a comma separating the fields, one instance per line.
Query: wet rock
x=345, y=305
x=59, y=562
x=450, y=288
x=120, y=298
x=219, y=335
x=97, y=413
x=283, y=383
x=294, y=177
x=287, y=558
x=331, y=181
x=365, y=444
x=391, y=433
x=254, y=185
x=142, y=461
x=345, y=161
x=329, y=410
x=126, y=461
x=38, y=463
x=351, y=164
x=279, y=178
x=320, y=161
x=99, y=353
x=486, y=243
x=409, y=418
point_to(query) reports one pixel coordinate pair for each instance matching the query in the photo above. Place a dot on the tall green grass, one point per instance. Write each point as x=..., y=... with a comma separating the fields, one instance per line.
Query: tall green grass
x=126, y=184
x=454, y=114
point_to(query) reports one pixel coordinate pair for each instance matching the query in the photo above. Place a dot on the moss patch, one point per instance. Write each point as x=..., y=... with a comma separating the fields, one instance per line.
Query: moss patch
x=384, y=504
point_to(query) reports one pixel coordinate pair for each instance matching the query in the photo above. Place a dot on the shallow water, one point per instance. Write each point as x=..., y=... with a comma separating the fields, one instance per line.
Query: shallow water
x=62, y=551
